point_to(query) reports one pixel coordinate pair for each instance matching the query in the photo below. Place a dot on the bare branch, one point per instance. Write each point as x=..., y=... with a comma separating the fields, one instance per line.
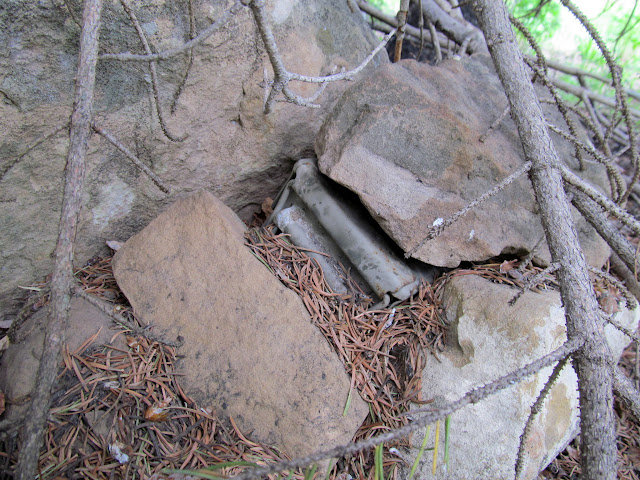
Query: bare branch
x=611, y=280
x=153, y=71
x=596, y=217
x=114, y=141
x=393, y=22
x=615, y=179
x=495, y=124
x=594, y=362
x=627, y=392
x=615, y=210
x=440, y=227
x=282, y=76
x=630, y=280
x=172, y=52
x=535, y=280
x=535, y=409
x=403, y=13
x=62, y=280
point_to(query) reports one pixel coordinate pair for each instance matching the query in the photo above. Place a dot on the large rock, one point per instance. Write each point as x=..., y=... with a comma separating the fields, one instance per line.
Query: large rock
x=250, y=349
x=21, y=360
x=406, y=140
x=488, y=339
x=233, y=149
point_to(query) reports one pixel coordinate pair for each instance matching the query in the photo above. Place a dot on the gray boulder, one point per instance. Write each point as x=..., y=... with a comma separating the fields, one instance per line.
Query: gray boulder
x=232, y=148
x=488, y=339
x=250, y=349
x=406, y=140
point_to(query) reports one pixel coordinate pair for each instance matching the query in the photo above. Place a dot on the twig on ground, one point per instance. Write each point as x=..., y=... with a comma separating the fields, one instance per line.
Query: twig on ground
x=62, y=280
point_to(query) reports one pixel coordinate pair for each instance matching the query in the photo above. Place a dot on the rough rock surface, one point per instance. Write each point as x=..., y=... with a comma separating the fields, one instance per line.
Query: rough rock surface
x=233, y=150
x=20, y=361
x=250, y=349
x=488, y=339
x=406, y=140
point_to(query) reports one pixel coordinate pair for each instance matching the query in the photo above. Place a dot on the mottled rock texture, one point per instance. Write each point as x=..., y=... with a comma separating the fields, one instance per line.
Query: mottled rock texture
x=406, y=140
x=250, y=349
x=232, y=149
x=488, y=339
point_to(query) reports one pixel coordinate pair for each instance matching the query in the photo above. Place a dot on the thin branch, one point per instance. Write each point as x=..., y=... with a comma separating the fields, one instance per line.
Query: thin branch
x=403, y=13
x=594, y=214
x=530, y=256
x=282, y=76
x=439, y=227
x=114, y=141
x=192, y=35
x=172, y=52
x=536, y=408
x=40, y=140
x=62, y=280
x=616, y=80
x=615, y=210
x=153, y=71
x=434, y=41
x=616, y=181
x=393, y=22
x=495, y=124
x=611, y=280
x=630, y=281
x=430, y=416
x=534, y=280
x=627, y=392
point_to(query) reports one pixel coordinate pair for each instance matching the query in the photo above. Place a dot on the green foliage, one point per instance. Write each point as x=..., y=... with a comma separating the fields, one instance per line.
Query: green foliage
x=541, y=17
x=387, y=6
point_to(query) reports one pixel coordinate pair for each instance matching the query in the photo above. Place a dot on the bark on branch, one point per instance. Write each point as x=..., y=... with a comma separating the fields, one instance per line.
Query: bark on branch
x=593, y=361
x=62, y=280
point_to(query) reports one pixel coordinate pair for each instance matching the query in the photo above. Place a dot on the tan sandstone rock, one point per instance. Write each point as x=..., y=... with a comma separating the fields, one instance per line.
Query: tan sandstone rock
x=250, y=349
x=488, y=339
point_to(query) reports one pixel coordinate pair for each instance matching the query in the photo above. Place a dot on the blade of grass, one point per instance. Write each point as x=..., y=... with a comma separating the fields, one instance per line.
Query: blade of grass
x=379, y=470
x=435, y=448
x=416, y=462
x=310, y=472
x=447, y=427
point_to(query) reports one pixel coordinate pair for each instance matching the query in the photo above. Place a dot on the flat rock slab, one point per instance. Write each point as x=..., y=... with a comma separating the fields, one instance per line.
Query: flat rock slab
x=406, y=141
x=250, y=349
x=488, y=338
